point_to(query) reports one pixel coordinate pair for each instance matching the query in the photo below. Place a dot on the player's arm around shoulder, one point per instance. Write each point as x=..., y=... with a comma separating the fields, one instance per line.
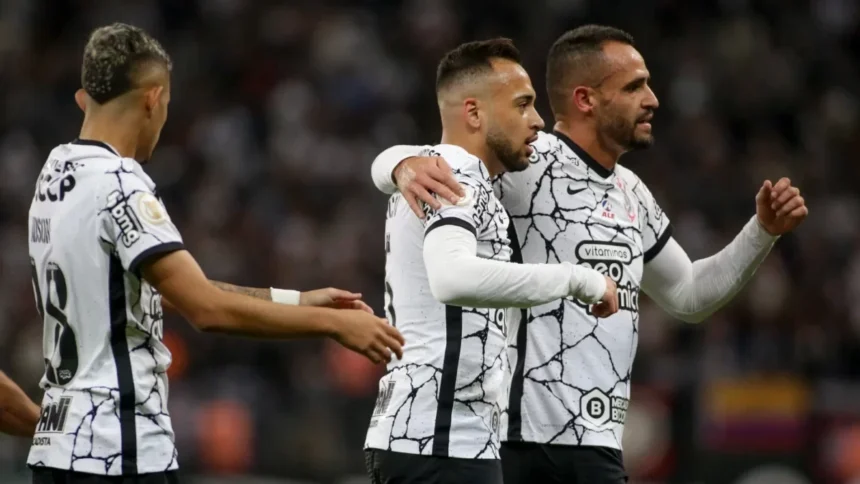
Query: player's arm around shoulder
x=179, y=278
x=424, y=178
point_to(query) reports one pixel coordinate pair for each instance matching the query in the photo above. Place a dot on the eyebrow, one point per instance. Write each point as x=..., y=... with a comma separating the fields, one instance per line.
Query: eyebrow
x=641, y=80
x=524, y=97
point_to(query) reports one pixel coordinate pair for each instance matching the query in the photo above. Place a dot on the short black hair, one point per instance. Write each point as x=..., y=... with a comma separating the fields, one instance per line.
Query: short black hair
x=473, y=58
x=574, y=58
x=112, y=55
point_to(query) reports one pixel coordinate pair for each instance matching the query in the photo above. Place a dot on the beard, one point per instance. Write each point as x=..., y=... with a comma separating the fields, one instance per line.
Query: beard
x=622, y=132
x=511, y=158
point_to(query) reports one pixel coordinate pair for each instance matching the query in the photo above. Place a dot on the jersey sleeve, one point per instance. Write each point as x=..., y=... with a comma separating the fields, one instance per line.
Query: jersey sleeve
x=134, y=221
x=656, y=228
x=470, y=212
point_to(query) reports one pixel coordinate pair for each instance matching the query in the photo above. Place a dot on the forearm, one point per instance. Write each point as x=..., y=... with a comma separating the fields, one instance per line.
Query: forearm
x=18, y=426
x=238, y=314
x=692, y=291
x=383, y=166
x=18, y=414
x=282, y=296
x=458, y=277
x=257, y=292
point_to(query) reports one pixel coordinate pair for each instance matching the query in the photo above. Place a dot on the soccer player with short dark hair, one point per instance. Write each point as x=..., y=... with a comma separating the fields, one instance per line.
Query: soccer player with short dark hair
x=450, y=280
x=105, y=256
x=570, y=381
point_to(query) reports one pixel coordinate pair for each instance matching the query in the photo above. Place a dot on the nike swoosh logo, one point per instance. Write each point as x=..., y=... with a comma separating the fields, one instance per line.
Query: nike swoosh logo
x=574, y=192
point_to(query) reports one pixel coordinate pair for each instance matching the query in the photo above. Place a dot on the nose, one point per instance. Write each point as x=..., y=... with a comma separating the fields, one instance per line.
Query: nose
x=650, y=101
x=537, y=123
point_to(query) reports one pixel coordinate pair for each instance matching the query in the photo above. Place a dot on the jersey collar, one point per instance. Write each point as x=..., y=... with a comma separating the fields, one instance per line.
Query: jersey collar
x=601, y=170
x=92, y=142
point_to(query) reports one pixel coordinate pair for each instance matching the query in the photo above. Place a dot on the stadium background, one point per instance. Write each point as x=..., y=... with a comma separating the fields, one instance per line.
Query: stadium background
x=278, y=109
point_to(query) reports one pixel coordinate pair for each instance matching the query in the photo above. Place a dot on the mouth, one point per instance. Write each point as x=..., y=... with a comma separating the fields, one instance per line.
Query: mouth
x=529, y=141
x=645, y=119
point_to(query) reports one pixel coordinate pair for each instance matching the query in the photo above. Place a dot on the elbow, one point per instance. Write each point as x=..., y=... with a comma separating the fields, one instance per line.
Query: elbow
x=207, y=317
x=448, y=289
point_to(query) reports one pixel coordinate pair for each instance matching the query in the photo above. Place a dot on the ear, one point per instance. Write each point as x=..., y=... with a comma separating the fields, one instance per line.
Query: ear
x=152, y=98
x=81, y=99
x=472, y=113
x=583, y=99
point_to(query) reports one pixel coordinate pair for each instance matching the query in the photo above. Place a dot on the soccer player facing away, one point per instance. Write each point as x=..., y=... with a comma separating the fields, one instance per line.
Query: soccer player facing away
x=449, y=282
x=105, y=256
x=570, y=386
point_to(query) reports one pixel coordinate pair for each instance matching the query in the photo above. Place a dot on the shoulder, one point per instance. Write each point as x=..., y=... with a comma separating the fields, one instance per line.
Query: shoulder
x=463, y=163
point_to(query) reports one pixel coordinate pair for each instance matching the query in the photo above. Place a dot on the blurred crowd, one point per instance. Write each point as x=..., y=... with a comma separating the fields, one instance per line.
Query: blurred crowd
x=279, y=107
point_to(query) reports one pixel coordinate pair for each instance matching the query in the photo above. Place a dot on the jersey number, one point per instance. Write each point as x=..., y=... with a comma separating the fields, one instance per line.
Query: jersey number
x=389, y=304
x=62, y=365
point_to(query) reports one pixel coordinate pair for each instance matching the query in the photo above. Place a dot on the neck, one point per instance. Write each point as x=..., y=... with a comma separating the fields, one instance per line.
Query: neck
x=586, y=137
x=111, y=128
x=476, y=146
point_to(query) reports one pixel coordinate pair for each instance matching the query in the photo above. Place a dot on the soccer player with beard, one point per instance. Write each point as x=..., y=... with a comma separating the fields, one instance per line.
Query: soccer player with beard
x=449, y=280
x=570, y=383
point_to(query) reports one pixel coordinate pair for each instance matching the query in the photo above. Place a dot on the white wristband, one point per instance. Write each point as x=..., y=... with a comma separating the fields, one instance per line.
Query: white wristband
x=588, y=285
x=286, y=296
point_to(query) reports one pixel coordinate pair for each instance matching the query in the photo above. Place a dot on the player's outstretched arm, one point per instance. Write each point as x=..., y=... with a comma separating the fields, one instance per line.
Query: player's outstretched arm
x=325, y=298
x=417, y=177
x=692, y=291
x=457, y=276
x=18, y=414
x=178, y=277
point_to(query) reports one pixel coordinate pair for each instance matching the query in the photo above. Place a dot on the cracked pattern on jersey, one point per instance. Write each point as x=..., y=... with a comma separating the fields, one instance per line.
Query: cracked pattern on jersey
x=149, y=357
x=576, y=376
x=405, y=418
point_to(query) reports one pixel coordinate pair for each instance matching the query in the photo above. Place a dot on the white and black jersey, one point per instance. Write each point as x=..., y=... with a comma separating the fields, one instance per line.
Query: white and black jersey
x=444, y=397
x=94, y=218
x=571, y=370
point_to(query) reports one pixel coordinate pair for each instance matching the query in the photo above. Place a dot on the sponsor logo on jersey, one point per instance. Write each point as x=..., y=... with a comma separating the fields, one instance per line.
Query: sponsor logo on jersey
x=383, y=400
x=606, y=210
x=609, y=258
x=599, y=409
x=127, y=222
x=53, y=418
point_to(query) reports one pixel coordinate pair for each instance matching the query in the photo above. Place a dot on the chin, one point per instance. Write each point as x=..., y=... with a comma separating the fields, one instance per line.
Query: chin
x=641, y=142
x=518, y=165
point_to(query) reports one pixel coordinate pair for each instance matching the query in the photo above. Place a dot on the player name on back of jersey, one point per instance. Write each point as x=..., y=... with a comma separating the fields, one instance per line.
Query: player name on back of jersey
x=104, y=409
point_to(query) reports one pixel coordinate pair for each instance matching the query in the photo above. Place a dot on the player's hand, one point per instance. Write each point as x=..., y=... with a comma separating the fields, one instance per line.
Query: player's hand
x=780, y=208
x=368, y=335
x=333, y=298
x=419, y=177
x=608, y=304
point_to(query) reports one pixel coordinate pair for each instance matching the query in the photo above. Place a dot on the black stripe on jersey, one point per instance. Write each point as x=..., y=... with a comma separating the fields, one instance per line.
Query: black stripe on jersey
x=658, y=246
x=92, y=142
x=122, y=361
x=156, y=249
x=515, y=395
x=445, y=407
x=451, y=221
